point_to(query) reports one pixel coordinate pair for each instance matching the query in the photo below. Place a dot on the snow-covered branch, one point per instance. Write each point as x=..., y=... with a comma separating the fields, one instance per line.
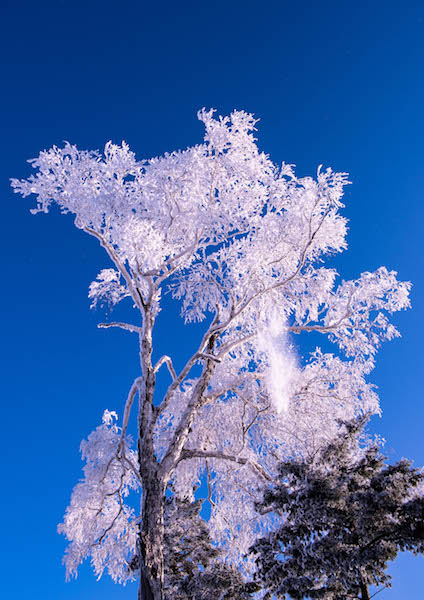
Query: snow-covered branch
x=168, y=361
x=132, y=287
x=126, y=326
x=240, y=460
x=241, y=241
x=181, y=433
x=128, y=405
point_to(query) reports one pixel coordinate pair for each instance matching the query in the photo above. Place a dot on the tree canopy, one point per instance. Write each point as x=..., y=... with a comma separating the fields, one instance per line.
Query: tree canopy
x=346, y=514
x=240, y=243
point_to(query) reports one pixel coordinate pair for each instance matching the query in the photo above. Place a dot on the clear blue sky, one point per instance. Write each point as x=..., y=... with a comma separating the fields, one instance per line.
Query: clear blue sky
x=338, y=83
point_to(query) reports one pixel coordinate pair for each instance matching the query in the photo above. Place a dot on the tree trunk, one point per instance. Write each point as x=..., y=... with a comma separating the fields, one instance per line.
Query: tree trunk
x=152, y=533
x=155, y=476
x=151, y=541
x=365, y=595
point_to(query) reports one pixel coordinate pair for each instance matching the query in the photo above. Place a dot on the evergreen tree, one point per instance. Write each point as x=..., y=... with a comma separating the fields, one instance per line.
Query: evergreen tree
x=194, y=568
x=346, y=514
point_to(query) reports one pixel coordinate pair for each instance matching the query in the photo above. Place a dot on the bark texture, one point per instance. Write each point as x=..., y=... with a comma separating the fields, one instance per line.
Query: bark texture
x=155, y=476
x=151, y=541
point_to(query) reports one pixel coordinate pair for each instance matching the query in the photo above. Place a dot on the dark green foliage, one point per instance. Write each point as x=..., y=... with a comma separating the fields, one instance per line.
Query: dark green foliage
x=346, y=514
x=187, y=545
x=193, y=569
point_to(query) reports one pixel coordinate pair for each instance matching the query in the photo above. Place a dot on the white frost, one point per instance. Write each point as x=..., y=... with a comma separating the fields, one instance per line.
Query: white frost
x=241, y=243
x=281, y=359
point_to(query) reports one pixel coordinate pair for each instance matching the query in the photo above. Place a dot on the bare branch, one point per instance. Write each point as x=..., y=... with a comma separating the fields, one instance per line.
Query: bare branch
x=106, y=531
x=187, y=368
x=126, y=326
x=132, y=467
x=325, y=328
x=318, y=328
x=168, y=361
x=134, y=291
x=196, y=401
x=209, y=484
x=380, y=590
x=226, y=348
x=209, y=357
x=127, y=411
x=241, y=460
x=174, y=385
x=245, y=428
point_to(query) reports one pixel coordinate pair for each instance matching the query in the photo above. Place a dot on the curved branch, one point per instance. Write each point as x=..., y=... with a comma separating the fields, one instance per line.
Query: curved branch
x=187, y=454
x=106, y=531
x=226, y=348
x=127, y=410
x=168, y=361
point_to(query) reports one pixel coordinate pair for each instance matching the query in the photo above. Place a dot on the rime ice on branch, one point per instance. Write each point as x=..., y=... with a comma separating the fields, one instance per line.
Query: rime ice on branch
x=236, y=239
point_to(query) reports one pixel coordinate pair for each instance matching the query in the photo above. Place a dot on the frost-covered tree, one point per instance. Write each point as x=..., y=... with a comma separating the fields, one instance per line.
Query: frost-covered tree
x=192, y=566
x=240, y=242
x=345, y=514
x=193, y=569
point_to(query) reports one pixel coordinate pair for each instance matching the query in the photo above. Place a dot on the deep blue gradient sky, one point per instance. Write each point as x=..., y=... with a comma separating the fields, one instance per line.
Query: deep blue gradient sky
x=337, y=83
